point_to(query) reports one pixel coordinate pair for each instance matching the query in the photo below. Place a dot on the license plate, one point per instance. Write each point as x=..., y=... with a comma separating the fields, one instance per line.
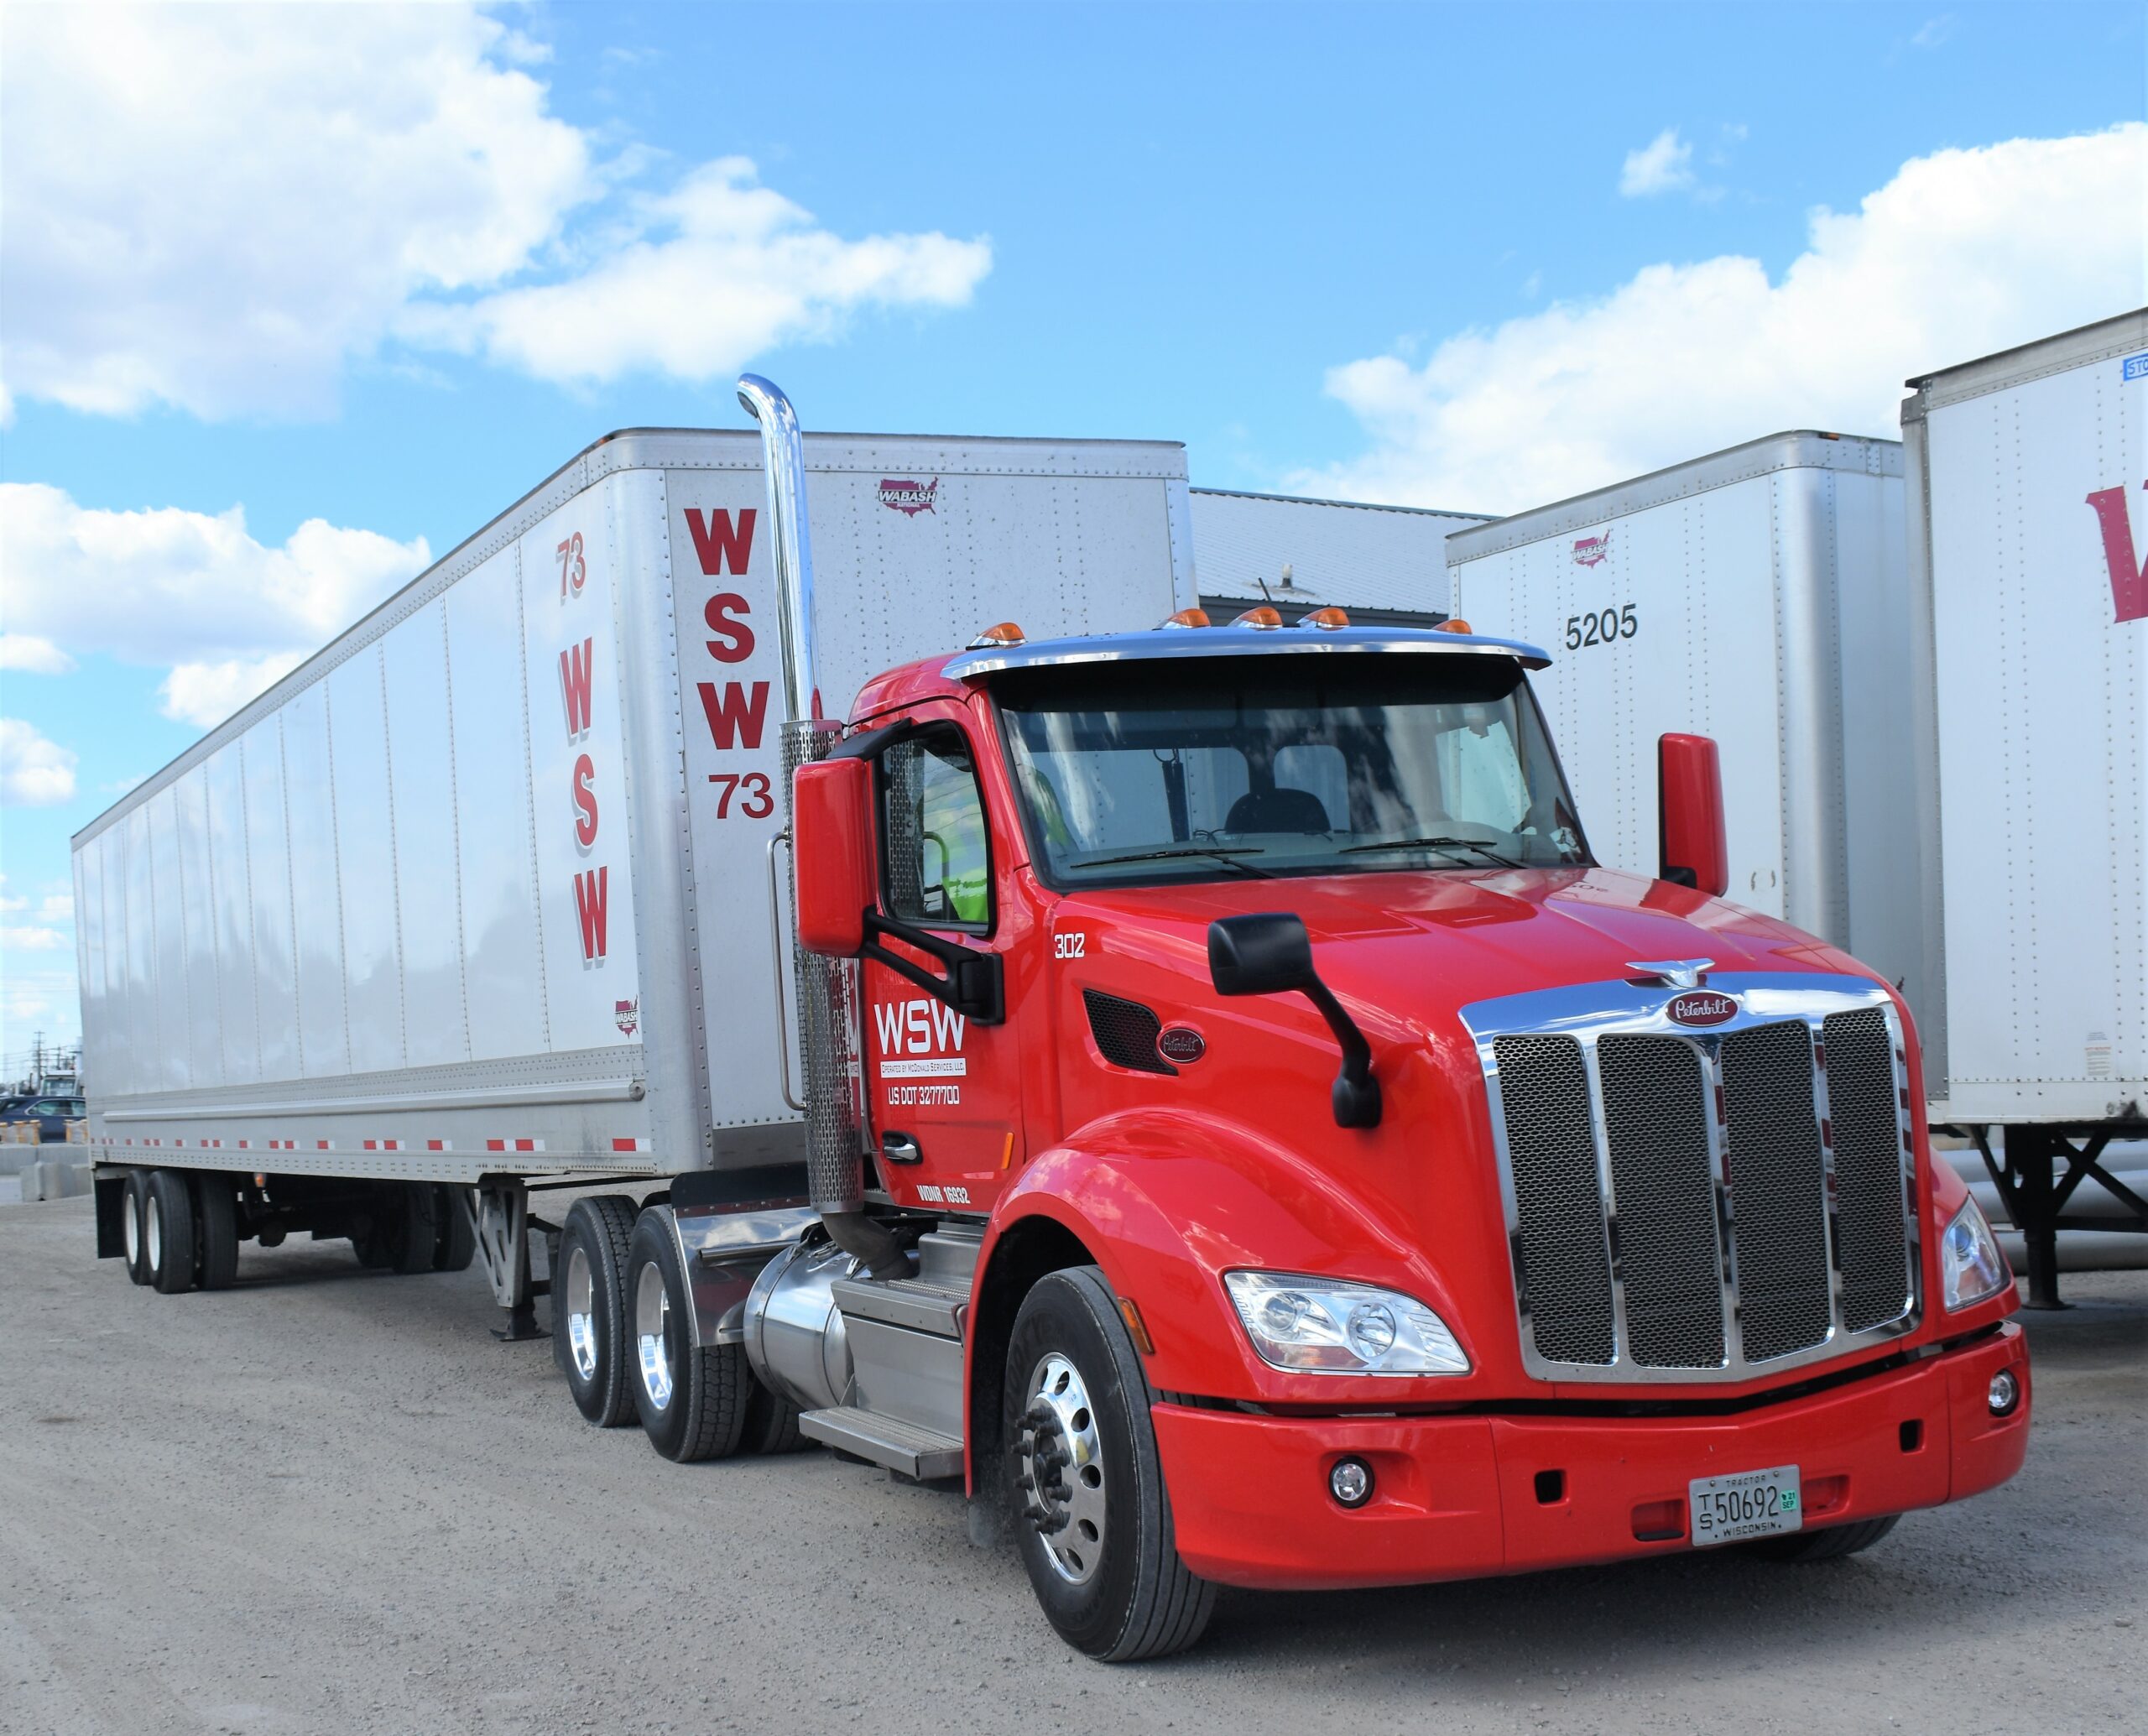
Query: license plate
x=1746, y=1504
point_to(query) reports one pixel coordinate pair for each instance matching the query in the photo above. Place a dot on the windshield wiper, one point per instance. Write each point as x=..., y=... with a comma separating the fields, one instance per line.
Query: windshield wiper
x=1225, y=857
x=1484, y=850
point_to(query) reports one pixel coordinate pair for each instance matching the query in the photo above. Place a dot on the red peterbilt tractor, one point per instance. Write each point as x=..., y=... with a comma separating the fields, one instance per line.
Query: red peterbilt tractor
x=1374, y=1191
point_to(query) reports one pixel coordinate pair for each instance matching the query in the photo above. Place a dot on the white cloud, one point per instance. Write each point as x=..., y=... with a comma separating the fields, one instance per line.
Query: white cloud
x=718, y=270
x=219, y=208
x=1662, y=165
x=32, y=939
x=189, y=592
x=35, y=772
x=57, y=907
x=1964, y=253
x=28, y=654
x=207, y=693
x=1933, y=31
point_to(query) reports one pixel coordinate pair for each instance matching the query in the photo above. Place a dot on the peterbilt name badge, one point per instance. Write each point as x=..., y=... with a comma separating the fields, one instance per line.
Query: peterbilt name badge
x=1182, y=1043
x=1702, y=1007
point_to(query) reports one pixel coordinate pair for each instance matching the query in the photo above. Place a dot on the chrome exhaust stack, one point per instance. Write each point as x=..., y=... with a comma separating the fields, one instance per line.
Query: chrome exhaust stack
x=830, y=1007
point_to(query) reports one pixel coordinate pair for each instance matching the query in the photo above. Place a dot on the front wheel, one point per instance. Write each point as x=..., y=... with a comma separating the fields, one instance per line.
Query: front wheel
x=1092, y=1515
x=1828, y=1543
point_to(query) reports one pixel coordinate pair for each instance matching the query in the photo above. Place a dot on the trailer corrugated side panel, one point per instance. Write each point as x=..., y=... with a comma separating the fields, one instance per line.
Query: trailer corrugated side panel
x=383, y=921
x=485, y=886
x=2038, y=727
x=1755, y=596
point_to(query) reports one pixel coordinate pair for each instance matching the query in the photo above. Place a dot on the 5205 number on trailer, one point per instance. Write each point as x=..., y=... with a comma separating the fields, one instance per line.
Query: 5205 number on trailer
x=1603, y=627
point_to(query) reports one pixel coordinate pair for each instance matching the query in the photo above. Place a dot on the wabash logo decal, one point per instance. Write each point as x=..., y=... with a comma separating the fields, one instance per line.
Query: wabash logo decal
x=908, y=497
x=1590, y=550
x=1702, y=1007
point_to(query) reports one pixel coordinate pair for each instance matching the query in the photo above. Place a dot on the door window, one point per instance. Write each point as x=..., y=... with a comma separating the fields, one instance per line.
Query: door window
x=938, y=862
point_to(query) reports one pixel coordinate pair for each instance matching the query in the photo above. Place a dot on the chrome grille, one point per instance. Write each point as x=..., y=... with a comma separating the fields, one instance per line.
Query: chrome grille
x=1561, y=1253
x=1655, y=1119
x=1870, y=1203
x=1778, y=1190
x=1702, y=1204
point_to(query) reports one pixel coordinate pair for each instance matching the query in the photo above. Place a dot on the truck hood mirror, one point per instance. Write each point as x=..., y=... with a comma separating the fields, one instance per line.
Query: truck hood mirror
x=1689, y=780
x=1269, y=953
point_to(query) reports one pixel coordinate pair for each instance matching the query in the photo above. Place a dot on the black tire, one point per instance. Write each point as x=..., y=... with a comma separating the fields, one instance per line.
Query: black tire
x=691, y=1403
x=454, y=1238
x=1137, y=1600
x=216, y=1231
x=402, y=1229
x=133, y=1204
x=168, y=1233
x=1828, y=1543
x=592, y=1340
x=771, y=1422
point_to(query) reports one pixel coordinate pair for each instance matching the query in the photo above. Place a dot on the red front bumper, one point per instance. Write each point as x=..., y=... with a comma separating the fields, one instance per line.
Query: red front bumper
x=1460, y=1497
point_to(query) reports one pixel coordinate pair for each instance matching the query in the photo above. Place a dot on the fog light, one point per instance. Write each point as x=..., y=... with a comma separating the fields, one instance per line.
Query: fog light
x=2006, y=1393
x=1350, y=1481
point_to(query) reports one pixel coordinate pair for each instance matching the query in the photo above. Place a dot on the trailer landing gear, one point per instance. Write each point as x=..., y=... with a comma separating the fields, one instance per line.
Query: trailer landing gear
x=2036, y=1193
x=499, y=1214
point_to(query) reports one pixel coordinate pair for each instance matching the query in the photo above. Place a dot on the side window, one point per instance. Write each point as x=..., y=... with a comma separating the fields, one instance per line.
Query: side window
x=938, y=868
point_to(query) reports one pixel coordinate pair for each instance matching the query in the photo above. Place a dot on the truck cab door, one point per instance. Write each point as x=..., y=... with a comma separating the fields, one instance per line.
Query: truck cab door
x=943, y=1090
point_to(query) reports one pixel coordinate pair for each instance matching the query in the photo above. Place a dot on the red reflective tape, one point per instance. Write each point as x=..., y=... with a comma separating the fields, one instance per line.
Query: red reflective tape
x=495, y=1144
x=439, y=1145
x=630, y=1144
x=322, y=1145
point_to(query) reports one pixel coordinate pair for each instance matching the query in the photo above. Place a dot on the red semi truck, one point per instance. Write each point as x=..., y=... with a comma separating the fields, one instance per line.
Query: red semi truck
x=1247, y=1140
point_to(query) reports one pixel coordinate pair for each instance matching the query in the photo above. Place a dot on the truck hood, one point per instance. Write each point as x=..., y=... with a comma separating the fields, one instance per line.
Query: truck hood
x=1413, y=949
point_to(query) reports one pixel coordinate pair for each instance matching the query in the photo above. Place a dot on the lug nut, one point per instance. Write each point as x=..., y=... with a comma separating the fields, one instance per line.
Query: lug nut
x=1350, y=1481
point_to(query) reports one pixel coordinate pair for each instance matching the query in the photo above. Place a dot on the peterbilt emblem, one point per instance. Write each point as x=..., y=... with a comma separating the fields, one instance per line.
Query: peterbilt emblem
x=1182, y=1043
x=909, y=497
x=1702, y=1007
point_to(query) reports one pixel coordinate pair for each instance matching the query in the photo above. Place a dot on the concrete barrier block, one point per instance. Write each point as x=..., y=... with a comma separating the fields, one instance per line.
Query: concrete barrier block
x=55, y=1179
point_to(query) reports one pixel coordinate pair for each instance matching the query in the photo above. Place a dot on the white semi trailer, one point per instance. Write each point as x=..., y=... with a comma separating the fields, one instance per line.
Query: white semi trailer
x=1924, y=665
x=487, y=893
x=1759, y=595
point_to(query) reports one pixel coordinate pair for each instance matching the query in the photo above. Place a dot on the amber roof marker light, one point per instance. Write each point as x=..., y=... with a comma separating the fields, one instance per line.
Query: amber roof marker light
x=1006, y=632
x=1260, y=617
x=1327, y=620
x=1452, y=625
x=1185, y=618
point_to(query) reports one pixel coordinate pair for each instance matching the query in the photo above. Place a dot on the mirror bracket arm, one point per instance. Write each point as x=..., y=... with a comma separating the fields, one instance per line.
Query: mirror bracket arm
x=975, y=985
x=1357, y=1095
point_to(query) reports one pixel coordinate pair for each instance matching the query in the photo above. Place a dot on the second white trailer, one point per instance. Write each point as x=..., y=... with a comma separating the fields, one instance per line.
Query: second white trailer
x=1758, y=596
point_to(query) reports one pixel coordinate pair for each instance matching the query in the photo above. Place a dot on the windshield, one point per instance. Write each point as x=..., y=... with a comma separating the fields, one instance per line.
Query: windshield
x=1253, y=766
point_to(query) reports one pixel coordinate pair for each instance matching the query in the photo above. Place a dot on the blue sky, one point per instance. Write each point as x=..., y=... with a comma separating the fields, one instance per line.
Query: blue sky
x=358, y=268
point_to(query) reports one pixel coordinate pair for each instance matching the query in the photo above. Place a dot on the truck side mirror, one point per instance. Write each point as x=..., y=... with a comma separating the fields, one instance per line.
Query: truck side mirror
x=1270, y=953
x=1693, y=847
x=831, y=854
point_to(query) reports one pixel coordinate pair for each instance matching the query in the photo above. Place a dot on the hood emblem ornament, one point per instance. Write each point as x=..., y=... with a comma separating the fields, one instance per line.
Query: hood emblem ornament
x=1678, y=972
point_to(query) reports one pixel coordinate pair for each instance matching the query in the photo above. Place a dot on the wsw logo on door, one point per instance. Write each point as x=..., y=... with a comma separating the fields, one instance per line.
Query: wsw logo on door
x=2129, y=580
x=920, y=1039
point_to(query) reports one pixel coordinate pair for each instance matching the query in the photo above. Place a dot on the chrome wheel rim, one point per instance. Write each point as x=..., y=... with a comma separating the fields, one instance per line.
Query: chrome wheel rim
x=1061, y=1469
x=154, y=1233
x=131, y=1229
x=581, y=1315
x=652, y=1318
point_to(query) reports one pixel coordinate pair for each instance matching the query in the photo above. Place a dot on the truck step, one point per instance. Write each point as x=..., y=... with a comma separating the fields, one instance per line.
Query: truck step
x=904, y=1446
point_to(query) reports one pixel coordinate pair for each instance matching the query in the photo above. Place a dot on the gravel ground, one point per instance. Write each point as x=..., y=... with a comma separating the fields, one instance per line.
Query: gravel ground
x=329, y=1501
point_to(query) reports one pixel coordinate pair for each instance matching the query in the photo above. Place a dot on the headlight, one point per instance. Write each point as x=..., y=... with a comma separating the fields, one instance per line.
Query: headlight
x=1971, y=1268
x=1315, y=1326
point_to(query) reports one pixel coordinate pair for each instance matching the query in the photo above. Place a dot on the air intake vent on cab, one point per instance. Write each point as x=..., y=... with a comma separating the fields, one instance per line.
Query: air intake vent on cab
x=1125, y=1032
